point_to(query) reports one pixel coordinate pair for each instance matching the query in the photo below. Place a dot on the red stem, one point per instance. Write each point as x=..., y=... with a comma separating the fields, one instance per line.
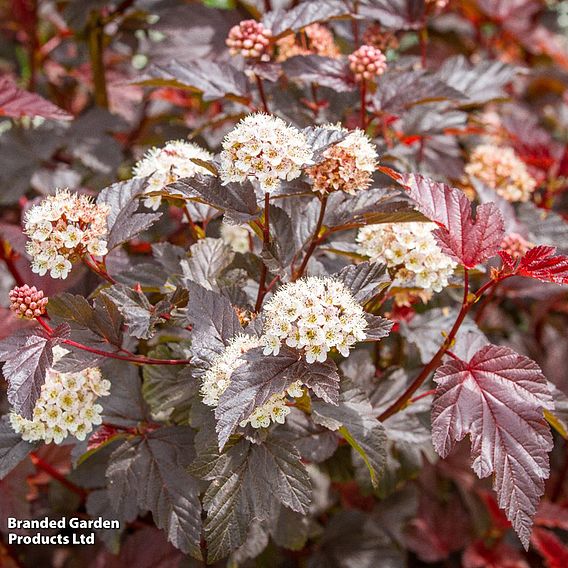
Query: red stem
x=39, y=463
x=98, y=268
x=363, y=104
x=262, y=94
x=139, y=359
x=402, y=401
x=423, y=395
x=266, y=242
x=314, y=241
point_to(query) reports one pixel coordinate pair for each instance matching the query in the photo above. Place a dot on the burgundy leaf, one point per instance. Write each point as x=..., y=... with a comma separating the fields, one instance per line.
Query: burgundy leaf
x=552, y=516
x=498, y=399
x=502, y=555
x=468, y=241
x=541, y=263
x=16, y=102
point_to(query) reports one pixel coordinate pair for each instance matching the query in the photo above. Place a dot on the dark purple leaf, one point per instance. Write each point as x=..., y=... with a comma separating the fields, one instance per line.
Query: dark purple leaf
x=325, y=71
x=27, y=356
x=364, y=280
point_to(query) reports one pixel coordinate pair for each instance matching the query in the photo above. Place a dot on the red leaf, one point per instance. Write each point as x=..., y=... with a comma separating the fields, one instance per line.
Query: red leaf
x=552, y=516
x=541, y=263
x=464, y=239
x=551, y=548
x=498, y=399
x=16, y=102
x=478, y=555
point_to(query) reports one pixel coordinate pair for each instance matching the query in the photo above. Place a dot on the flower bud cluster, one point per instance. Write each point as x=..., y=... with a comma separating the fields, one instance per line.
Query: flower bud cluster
x=218, y=377
x=377, y=37
x=250, y=39
x=348, y=165
x=313, y=315
x=314, y=39
x=410, y=252
x=167, y=164
x=264, y=148
x=516, y=245
x=26, y=302
x=66, y=407
x=63, y=228
x=367, y=62
x=501, y=169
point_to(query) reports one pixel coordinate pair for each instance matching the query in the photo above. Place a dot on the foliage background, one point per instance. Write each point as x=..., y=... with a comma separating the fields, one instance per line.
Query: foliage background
x=118, y=77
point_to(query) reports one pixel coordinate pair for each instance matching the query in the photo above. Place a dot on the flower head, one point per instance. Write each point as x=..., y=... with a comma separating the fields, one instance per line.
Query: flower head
x=238, y=237
x=169, y=163
x=264, y=148
x=347, y=165
x=66, y=406
x=314, y=315
x=314, y=39
x=250, y=39
x=27, y=302
x=501, y=169
x=367, y=62
x=218, y=377
x=63, y=228
x=410, y=252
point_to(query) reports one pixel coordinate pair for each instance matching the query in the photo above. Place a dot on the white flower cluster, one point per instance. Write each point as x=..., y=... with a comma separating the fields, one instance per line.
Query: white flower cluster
x=501, y=169
x=265, y=148
x=62, y=228
x=314, y=314
x=410, y=251
x=218, y=377
x=167, y=164
x=66, y=406
x=348, y=165
x=238, y=237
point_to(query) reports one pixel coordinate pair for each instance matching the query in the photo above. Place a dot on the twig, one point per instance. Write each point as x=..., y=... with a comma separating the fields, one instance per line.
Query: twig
x=363, y=91
x=95, y=37
x=314, y=241
x=260, y=85
x=138, y=359
x=39, y=463
x=266, y=243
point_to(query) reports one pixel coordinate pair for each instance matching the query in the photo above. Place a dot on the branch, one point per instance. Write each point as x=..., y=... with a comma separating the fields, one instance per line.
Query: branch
x=266, y=242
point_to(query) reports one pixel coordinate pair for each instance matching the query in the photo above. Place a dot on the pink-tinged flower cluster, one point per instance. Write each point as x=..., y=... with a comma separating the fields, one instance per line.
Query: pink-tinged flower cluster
x=348, y=165
x=516, y=245
x=27, y=302
x=367, y=62
x=250, y=39
x=314, y=39
x=501, y=168
x=62, y=229
x=377, y=37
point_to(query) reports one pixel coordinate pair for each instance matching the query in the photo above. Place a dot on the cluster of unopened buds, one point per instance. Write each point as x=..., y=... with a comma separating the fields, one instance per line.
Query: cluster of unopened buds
x=367, y=62
x=313, y=315
x=411, y=253
x=168, y=164
x=264, y=148
x=347, y=166
x=66, y=407
x=516, y=245
x=27, y=302
x=62, y=229
x=382, y=39
x=501, y=169
x=218, y=377
x=250, y=39
x=314, y=39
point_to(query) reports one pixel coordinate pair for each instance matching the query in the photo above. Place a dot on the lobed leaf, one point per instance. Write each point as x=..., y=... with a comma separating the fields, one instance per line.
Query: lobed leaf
x=149, y=473
x=498, y=398
x=27, y=357
x=468, y=241
x=364, y=280
x=123, y=221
